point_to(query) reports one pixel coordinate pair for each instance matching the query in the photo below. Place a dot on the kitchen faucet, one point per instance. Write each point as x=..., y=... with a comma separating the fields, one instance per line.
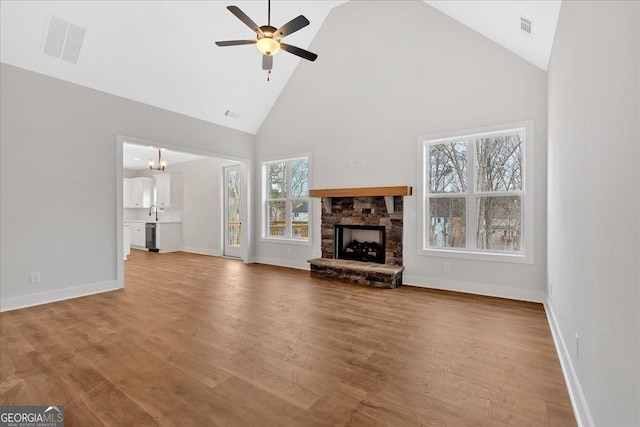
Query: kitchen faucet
x=151, y=207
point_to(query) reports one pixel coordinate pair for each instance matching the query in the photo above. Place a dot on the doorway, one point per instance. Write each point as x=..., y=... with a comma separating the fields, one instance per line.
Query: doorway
x=194, y=199
x=232, y=211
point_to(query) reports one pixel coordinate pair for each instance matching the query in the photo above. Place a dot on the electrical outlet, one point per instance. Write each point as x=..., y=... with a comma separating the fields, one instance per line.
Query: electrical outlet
x=353, y=163
x=315, y=253
x=577, y=345
x=447, y=266
x=35, y=278
x=363, y=162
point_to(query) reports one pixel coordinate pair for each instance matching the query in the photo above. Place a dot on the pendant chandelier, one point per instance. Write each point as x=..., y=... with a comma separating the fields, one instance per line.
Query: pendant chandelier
x=162, y=163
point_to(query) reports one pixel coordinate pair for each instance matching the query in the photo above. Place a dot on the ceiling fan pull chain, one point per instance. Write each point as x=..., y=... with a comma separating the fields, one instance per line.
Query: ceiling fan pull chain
x=268, y=75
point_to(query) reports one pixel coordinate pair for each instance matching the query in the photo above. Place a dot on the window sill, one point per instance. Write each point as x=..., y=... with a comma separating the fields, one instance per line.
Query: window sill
x=520, y=258
x=286, y=241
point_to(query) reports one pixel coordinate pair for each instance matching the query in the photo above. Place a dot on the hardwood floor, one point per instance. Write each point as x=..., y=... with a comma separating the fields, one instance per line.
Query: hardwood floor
x=202, y=341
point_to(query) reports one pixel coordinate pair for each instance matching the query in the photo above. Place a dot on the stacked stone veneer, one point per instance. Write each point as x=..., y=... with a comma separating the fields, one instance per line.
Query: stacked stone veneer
x=364, y=211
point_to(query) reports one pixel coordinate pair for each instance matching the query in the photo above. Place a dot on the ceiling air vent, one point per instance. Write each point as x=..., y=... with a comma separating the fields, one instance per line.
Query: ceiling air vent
x=63, y=40
x=525, y=25
x=231, y=114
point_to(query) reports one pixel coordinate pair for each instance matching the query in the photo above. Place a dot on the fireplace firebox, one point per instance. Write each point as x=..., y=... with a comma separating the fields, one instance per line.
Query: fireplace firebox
x=360, y=243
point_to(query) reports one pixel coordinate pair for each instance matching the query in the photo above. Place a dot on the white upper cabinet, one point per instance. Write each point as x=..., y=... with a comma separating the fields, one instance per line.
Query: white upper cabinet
x=140, y=192
x=163, y=190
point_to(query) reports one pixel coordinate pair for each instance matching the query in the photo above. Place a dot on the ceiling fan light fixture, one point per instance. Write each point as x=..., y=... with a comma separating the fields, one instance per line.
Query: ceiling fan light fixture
x=268, y=46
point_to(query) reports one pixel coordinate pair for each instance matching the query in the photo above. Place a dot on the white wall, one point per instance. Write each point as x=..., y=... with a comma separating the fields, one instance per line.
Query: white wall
x=130, y=173
x=201, y=204
x=387, y=73
x=594, y=206
x=58, y=180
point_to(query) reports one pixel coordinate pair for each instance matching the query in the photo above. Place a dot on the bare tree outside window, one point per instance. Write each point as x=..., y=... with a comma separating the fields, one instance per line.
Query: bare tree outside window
x=474, y=192
x=447, y=176
x=277, y=181
x=448, y=222
x=499, y=163
x=498, y=170
x=288, y=199
x=300, y=179
x=234, y=233
x=448, y=168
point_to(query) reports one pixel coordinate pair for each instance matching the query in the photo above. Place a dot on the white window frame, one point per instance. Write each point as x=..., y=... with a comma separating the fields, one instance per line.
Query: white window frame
x=471, y=252
x=287, y=238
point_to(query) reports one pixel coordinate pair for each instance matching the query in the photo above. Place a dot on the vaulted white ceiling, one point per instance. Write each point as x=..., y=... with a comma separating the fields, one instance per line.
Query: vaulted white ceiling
x=162, y=53
x=499, y=20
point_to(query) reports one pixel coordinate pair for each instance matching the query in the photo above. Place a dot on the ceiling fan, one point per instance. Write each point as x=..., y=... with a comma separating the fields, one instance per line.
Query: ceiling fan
x=269, y=38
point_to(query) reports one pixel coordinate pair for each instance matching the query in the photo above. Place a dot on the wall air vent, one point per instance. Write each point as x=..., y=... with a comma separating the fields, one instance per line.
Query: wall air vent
x=525, y=25
x=63, y=40
x=231, y=114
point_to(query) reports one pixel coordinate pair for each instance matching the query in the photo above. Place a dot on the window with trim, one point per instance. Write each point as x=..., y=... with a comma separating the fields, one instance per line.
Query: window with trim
x=475, y=194
x=286, y=199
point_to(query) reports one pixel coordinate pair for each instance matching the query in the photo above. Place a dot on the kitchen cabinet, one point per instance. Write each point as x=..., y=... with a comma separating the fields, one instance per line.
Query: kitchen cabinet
x=140, y=191
x=163, y=190
x=169, y=237
x=138, y=235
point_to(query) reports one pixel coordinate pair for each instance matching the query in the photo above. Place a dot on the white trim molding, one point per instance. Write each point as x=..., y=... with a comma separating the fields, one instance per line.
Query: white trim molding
x=7, y=304
x=485, y=289
x=287, y=263
x=201, y=251
x=578, y=401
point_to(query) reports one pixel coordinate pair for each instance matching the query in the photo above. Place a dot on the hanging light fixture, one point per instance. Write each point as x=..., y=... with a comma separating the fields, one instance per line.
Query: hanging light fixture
x=162, y=163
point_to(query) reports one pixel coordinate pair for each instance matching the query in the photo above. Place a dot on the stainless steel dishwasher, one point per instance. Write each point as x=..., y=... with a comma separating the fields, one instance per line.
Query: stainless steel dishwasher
x=150, y=234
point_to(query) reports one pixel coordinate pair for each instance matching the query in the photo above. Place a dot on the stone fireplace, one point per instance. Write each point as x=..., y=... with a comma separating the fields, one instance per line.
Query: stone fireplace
x=366, y=212
x=361, y=235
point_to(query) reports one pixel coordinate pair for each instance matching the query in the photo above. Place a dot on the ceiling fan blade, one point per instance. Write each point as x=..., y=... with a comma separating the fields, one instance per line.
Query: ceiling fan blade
x=291, y=27
x=244, y=18
x=299, y=52
x=267, y=62
x=235, y=42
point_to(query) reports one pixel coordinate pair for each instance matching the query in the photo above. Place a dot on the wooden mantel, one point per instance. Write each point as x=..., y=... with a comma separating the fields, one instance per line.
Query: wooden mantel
x=403, y=190
x=387, y=192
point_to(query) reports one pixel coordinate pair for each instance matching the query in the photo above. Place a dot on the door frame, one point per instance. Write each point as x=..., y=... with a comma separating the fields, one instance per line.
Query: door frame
x=223, y=216
x=246, y=167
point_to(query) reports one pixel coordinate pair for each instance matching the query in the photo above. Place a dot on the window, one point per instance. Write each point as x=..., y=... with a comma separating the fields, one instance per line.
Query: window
x=477, y=198
x=286, y=199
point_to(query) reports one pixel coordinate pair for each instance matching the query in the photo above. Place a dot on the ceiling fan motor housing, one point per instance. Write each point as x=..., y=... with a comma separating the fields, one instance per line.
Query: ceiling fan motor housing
x=268, y=31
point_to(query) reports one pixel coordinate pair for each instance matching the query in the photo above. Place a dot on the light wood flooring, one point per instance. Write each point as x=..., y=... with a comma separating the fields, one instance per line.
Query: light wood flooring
x=202, y=341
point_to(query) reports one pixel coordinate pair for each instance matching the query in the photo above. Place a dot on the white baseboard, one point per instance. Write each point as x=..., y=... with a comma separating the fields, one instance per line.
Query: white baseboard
x=7, y=304
x=201, y=251
x=300, y=265
x=578, y=401
x=475, y=288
